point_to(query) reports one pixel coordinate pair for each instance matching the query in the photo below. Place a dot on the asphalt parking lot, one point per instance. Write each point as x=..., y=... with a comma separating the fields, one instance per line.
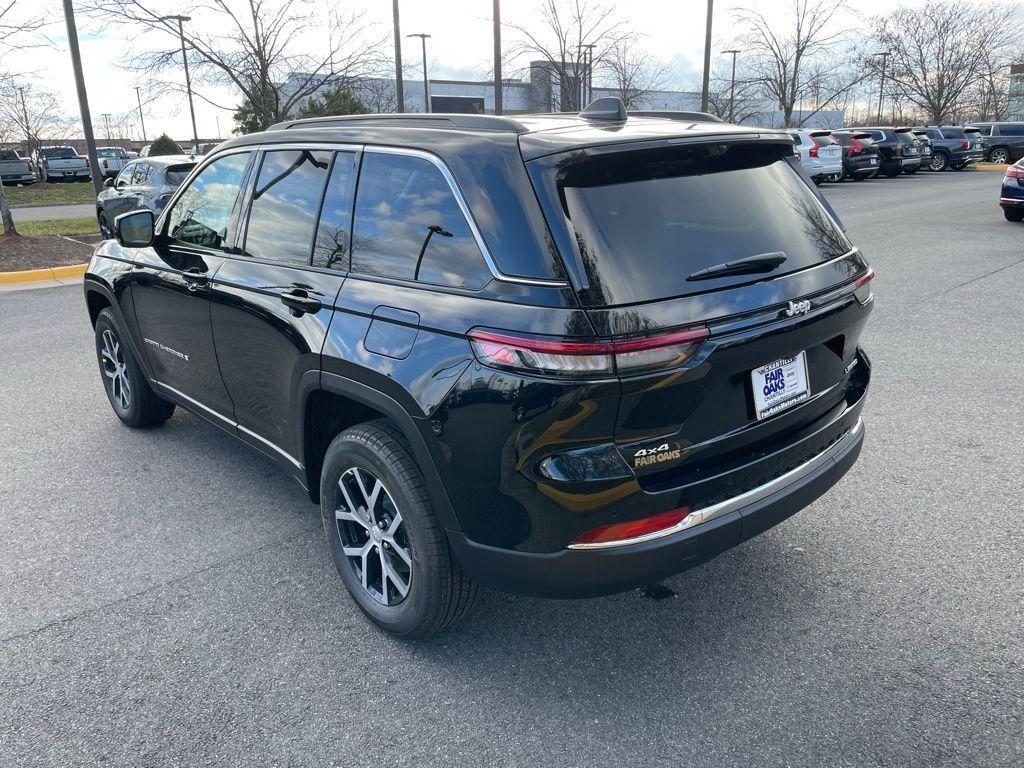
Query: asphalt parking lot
x=166, y=598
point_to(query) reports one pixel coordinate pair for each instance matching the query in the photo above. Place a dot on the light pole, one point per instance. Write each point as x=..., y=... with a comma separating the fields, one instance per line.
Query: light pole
x=498, y=106
x=138, y=98
x=83, y=98
x=399, y=88
x=188, y=79
x=426, y=89
x=732, y=87
x=707, y=59
x=881, y=85
x=586, y=78
x=106, y=124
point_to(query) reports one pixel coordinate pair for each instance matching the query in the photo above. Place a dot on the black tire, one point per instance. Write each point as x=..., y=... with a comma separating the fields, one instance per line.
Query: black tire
x=1014, y=214
x=999, y=156
x=958, y=166
x=438, y=593
x=910, y=171
x=858, y=177
x=105, y=230
x=939, y=161
x=892, y=174
x=137, y=405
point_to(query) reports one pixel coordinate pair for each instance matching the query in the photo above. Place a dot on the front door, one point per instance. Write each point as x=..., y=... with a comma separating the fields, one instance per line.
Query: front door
x=271, y=304
x=171, y=287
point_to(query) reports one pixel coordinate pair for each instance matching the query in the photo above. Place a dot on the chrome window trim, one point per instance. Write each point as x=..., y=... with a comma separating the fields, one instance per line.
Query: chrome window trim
x=438, y=163
x=232, y=422
x=752, y=496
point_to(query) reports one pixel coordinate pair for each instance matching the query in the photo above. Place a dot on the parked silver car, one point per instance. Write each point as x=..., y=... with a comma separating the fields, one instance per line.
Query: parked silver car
x=148, y=182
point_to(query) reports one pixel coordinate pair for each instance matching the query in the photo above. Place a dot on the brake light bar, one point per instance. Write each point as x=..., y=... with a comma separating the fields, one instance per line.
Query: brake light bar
x=548, y=355
x=632, y=531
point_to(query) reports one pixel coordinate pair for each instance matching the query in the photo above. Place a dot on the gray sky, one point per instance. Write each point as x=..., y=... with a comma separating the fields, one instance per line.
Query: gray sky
x=460, y=48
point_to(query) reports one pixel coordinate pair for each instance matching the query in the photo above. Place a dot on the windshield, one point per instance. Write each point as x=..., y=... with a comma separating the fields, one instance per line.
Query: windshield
x=60, y=153
x=645, y=221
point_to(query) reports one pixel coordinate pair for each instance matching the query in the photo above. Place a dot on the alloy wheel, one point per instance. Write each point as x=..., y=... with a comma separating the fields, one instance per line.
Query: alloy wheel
x=938, y=162
x=373, y=536
x=999, y=156
x=115, y=368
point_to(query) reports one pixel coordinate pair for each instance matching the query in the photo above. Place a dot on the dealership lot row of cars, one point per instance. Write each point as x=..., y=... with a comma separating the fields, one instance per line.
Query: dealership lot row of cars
x=66, y=164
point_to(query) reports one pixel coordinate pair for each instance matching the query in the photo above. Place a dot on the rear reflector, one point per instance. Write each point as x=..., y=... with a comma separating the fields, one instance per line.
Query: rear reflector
x=584, y=357
x=622, y=532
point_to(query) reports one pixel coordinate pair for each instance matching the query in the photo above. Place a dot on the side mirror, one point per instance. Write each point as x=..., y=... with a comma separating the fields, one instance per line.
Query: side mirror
x=135, y=229
x=108, y=183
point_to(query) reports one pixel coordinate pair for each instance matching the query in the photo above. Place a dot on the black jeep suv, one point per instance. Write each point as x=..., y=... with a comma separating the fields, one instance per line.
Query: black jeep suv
x=563, y=355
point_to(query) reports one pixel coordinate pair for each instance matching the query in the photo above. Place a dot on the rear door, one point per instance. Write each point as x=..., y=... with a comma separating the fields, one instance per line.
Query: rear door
x=652, y=230
x=273, y=300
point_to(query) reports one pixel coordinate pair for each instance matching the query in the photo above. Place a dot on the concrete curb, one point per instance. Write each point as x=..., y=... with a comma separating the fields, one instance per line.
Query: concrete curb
x=37, y=275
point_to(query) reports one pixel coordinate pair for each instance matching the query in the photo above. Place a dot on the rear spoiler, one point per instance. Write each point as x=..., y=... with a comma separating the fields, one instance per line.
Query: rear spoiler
x=821, y=133
x=862, y=135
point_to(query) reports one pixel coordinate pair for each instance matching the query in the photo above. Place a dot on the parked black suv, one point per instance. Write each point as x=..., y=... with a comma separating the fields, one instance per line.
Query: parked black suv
x=860, y=154
x=953, y=146
x=558, y=355
x=1002, y=142
x=897, y=147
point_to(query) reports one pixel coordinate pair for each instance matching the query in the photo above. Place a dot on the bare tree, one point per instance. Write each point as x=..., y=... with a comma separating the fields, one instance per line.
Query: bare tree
x=632, y=74
x=573, y=39
x=743, y=104
x=15, y=27
x=254, y=47
x=32, y=115
x=795, y=61
x=942, y=52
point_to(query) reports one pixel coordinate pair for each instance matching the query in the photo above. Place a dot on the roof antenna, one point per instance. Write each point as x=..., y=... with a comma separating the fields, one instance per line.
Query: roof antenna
x=605, y=108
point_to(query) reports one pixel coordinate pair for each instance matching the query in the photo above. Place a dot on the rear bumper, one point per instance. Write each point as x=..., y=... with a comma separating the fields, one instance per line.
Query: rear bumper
x=592, y=572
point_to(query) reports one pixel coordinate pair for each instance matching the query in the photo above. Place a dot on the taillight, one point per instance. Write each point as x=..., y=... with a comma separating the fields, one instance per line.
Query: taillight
x=1015, y=172
x=965, y=144
x=104, y=163
x=556, y=356
x=814, y=148
x=87, y=163
x=862, y=288
x=857, y=146
x=29, y=166
x=622, y=533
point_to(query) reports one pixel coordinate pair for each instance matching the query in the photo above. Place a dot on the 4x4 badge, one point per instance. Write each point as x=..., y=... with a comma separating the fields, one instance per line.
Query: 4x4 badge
x=797, y=308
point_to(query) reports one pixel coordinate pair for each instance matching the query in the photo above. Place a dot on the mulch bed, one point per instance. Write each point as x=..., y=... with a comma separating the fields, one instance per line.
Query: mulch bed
x=18, y=253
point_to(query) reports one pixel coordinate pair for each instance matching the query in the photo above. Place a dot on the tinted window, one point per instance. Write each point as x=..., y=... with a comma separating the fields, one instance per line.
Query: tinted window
x=824, y=140
x=409, y=225
x=201, y=214
x=1012, y=130
x=796, y=138
x=176, y=174
x=644, y=222
x=60, y=153
x=906, y=137
x=934, y=133
x=284, y=205
x=878, y=135
x=986, y=130
x=142, y=173
x=6, y=155
x=335, y=226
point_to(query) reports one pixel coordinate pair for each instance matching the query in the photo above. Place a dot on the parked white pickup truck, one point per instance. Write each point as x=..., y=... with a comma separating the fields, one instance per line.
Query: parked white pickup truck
x=112, y=160
x=15, y=169
x=53, y=163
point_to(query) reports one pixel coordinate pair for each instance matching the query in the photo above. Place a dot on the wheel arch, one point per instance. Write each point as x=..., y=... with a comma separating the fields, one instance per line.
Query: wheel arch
x=330, y=403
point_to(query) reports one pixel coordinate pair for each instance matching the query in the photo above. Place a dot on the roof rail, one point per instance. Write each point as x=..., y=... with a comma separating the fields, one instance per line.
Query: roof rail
x=677, y=114
x=412, y=120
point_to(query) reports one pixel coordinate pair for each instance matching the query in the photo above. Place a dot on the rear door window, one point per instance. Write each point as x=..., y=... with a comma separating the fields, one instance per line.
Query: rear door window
x=409, y=225
x=1012, y=130
x=644, y=222
x=284, y=207
x=334, y=230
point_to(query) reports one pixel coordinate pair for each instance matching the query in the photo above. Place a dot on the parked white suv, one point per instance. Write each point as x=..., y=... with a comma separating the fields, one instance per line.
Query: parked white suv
x=820, y=154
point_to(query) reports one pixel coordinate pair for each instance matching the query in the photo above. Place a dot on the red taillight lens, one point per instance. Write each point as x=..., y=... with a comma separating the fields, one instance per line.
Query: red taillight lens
x=813, y=152
x=857, y=146
x=1015, y=172
x=618, y=532
x=965, y=144
x=862, y=289
x=87, y=163
x=30, y=166
x=583, y=357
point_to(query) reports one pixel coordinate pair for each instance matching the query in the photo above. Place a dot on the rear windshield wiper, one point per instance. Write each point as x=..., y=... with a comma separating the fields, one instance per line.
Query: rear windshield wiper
x=762, y=262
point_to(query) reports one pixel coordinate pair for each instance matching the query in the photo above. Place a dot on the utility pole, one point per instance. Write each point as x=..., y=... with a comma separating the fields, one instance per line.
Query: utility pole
x=83, y=98
x=138, y=98
x=732, y=87
x=24, y=113
x=707, y=59
x=498, y=106
x=426, y=88
x=881, y=85
x=188, y=79
x=399, y=89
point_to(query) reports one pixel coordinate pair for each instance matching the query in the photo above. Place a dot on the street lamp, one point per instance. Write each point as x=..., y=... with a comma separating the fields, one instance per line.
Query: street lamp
x=399, y=89
x=426, y=90
x=732, y=87
x=881, y=85
x=707, y=59
x=188, y=79
x=138, y=98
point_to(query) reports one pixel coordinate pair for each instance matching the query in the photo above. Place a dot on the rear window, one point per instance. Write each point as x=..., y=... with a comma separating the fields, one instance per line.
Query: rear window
x=176, y=174
x=644, y=222
x=60, y=153
x=907, y=137
x=953, y=133
x=110, y=153
x=824, y=140
x=8, y=155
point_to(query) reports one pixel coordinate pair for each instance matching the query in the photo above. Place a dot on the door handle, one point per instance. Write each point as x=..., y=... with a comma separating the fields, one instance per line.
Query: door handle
x=300, y=302
x=194, y=279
